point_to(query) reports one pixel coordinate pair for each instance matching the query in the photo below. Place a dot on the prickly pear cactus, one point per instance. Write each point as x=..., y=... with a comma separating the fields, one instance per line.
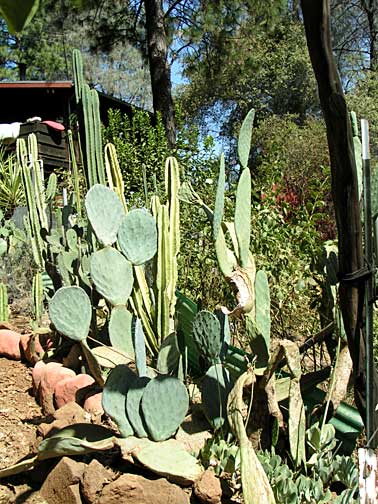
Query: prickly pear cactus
x=169, y=355
x=216, y=386
x=105, y=212
x=114, y=397
x=137, y=236
x=262, y=304
x=120, y=333
x=133, y=407
x=165, y=403
x=140, y=349
x=70, y=311
x=244, y=140
x=112, y=275
x=207, y=334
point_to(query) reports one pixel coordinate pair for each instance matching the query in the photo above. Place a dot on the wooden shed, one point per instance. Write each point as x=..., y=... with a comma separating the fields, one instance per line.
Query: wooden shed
x=51, y=101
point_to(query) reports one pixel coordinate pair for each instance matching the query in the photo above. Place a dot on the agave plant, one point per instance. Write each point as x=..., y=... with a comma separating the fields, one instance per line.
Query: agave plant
x=11, y=190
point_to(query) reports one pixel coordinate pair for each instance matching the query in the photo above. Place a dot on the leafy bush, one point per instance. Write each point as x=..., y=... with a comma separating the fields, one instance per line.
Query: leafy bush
x=141, y=148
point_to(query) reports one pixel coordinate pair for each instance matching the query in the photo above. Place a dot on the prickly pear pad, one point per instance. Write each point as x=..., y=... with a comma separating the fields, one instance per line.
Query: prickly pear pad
x=105, y=212
x=112, y=275
x=137, y=236
x=70, y=311
x=120, y=333
x=165, y=403
x=208, y=335
x=216, y=386
x=133, y=409
x=114, y=397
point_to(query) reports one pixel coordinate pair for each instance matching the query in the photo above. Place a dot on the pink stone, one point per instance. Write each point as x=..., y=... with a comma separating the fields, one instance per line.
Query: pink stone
x=54, y=373
x=38, y=371
x=31, y=348
x=10, y=344
x=93, y=404
x=66, y=390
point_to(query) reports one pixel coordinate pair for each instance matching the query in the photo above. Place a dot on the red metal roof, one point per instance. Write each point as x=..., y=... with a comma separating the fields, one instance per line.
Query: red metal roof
x=37, y=84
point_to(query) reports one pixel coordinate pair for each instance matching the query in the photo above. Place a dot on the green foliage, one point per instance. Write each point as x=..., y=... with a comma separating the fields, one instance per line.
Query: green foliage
x=224, y=457
x=312, y=483
x=291, y=216
x=363, y=99
x=207, y=334
x=112, y=275
x=226, y=75
x=137, y=236
x=141, y=148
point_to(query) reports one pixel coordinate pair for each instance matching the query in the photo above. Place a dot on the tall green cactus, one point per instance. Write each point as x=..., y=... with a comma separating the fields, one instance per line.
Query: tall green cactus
x=168, y=221
x=35, y=197
x=37, y=295
x=114, y=174
x=88, y=100
x=4, y=310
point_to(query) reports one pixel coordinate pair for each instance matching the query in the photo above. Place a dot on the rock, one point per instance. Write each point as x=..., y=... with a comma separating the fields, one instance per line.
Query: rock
x=6, y=495
x=73, y=359
x=31, y=348
x=193, y=433
x=10, y=344
x=54, y=372
x=95, y=477
x=66, y=390
x=208, y=488
x=6, y=325
x=68, y=414
x=72, y=413
x=62, y=485
x=37, y=373
x=93, y=405
x=139, y=490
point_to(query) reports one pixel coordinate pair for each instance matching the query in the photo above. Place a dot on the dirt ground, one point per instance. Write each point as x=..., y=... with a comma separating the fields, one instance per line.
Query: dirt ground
x=19, y=417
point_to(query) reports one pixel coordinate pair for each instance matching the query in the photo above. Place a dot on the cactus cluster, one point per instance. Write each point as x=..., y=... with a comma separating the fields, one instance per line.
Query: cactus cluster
x=146, y=406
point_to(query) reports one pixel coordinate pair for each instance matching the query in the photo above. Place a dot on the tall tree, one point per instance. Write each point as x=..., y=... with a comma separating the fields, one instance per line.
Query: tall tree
x=159, y=68
x=344, y=192
x=166, y=30
x=254, y=66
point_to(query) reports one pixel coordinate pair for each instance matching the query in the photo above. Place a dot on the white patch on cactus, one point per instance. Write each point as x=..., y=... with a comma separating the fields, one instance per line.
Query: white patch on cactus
x=240, y=280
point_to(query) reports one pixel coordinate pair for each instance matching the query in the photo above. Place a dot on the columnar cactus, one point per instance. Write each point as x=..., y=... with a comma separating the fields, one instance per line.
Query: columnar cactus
x=4, y=310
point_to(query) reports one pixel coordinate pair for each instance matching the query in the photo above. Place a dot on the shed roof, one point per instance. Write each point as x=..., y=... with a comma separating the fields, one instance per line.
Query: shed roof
x=53, y=100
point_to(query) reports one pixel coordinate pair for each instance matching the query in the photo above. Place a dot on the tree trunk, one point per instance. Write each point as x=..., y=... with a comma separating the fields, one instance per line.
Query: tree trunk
x=159, y=68
x=344, y=191
x=371, y=10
